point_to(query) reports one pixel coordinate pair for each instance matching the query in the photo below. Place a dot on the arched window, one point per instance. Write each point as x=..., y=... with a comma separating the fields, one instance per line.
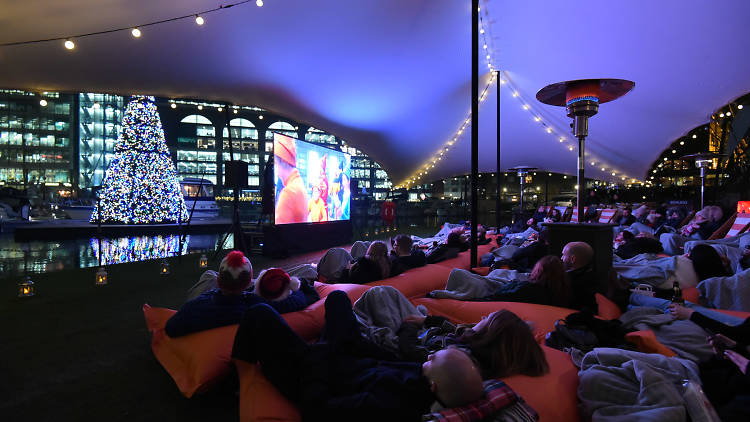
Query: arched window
x=317, y=136
x=196, y=148
x=245, y=146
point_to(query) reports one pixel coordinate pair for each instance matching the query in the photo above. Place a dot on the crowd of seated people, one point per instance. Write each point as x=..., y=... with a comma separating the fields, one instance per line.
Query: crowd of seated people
x=429, y=358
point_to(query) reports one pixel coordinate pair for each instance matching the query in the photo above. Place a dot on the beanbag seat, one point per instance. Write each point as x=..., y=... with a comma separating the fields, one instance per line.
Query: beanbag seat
x=554, y=395
x=459, y=311
x=198, y=361
x=464, y=258
x=417, y=282
x=259, y=400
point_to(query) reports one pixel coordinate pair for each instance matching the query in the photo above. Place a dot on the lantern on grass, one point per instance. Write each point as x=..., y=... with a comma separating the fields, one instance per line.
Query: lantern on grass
x=26, y=288
x=203, y=261
x=164, y=268
x=101, y=277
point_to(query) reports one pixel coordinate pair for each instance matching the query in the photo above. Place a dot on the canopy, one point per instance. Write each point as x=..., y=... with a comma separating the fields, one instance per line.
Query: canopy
x=393, y=77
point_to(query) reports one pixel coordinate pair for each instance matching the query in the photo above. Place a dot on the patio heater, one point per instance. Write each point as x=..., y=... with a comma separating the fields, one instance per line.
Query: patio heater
x=523, y=173
x=703, y=160
x=581, y=98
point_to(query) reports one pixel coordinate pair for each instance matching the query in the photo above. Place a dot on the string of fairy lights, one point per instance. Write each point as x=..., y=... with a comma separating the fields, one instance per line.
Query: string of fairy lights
x=419, y=176
x=69, y=41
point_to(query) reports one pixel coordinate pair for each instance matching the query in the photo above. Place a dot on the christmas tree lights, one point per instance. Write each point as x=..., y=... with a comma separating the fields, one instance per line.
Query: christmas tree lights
x=140, y=185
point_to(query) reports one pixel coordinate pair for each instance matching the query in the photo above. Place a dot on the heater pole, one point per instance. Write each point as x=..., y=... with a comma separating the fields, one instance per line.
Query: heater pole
x=474, y=129
x=498, y=202
x=581, y=179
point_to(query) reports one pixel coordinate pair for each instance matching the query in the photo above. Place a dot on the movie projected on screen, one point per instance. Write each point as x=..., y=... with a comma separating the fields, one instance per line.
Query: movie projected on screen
x=312, y=182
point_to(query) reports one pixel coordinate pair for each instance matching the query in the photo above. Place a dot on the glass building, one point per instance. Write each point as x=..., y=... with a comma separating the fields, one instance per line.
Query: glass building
x=36, y=151
x=65, y=142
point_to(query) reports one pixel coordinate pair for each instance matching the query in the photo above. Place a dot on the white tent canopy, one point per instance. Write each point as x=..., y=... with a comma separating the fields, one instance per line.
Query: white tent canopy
x=393, y=77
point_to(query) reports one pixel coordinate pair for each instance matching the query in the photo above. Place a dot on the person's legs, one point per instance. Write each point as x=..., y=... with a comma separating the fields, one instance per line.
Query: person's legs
x=663, y=305
x=264, y=337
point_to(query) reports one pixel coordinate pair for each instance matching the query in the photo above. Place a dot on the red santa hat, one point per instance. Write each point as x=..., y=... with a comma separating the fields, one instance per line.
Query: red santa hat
x=275, y=284
x=234, y=264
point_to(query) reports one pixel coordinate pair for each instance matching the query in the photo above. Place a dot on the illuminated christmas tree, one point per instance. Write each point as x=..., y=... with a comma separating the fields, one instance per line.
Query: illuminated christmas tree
x=140, y=185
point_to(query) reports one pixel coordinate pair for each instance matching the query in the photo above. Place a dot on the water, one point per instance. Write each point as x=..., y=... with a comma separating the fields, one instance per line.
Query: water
x=18, y=258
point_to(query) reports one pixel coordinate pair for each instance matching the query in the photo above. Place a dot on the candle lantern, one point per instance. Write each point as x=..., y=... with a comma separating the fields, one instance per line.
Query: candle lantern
x=26, y=288
x=164, y=268
x=101, y=277
x=203, y=261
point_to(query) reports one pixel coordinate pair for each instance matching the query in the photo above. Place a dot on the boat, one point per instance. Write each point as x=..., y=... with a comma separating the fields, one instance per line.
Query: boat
x=199, y=197
x=76, y=209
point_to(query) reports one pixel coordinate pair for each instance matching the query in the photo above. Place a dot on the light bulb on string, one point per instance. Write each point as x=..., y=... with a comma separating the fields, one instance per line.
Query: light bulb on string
x=136, y=33
x=259, y=3
x=43, y=102
x=69, y=44
x=199, y=20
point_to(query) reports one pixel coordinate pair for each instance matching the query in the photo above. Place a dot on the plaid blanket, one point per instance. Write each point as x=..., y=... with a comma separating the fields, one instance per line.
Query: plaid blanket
x=500, y=403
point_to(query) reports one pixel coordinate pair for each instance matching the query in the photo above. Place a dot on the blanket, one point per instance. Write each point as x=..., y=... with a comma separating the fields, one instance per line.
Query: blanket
x=380, y=311
x=645, y=268
x=439, y=237
x=731, y=292
x=465, y=285
x=731, y=247
x=621, y=385
x=333, y=263
x=686, y=338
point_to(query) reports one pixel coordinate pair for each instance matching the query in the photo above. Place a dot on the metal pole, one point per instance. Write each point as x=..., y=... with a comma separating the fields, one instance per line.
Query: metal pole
x=523, y=180
x=474, y=128
x=703, y=184
x=581, y=179
x=498, y=202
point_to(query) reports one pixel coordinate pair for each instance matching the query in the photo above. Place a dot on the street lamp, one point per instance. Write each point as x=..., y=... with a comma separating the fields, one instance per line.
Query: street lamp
x=525, y=177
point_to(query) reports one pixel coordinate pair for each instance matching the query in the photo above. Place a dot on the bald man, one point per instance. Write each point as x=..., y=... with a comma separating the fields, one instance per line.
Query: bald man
x=338, y=378
x=578, y=259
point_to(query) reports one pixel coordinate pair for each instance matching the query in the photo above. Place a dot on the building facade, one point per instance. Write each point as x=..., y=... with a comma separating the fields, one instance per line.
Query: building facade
x=65, y=142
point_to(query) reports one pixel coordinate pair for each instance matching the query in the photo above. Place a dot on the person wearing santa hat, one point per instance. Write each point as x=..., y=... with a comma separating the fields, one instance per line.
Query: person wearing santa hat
x=225, y=304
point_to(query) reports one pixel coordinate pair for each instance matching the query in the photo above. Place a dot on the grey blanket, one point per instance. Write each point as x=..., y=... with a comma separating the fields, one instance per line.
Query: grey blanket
x=686, y=338
x=439, y=236
x=645, y=268
x=333, y=263
x=465, y=285
x=380, y=311
x=620, y=385
x=731, y=292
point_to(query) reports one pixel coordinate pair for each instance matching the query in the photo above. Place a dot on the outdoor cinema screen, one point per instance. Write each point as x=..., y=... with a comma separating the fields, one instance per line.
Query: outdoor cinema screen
x=312, y=182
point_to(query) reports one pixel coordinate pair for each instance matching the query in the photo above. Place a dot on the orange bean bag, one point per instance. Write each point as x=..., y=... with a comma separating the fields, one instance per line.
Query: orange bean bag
x=554, y=395
x=417, y=282
x=458, y=311
x=198, y=361
x=464, y=258
x=259, y=399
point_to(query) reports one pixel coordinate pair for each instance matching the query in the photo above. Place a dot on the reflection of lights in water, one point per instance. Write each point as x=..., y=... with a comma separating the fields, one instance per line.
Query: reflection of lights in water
x=138, y=248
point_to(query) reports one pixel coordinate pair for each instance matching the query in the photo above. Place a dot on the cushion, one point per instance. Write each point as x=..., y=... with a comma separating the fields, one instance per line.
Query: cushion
x=607, y=308
x=554, y=395
x=417, y=282
x=483, y=271
x=458, y=311
x=691, y=294
x=197, y=361
x=259, y=399
x=646, y=342
x=463, y=258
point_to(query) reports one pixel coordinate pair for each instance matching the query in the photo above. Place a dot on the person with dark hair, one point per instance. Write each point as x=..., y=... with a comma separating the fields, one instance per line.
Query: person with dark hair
x=628, y=246
x=454, y=244
x=225, y=305
x=527, y=256
x=537, y=217
x=701, y=227
x=578, y=259
x=548, y=284
x=707, y=262
x=403, y=256
x=330, y=380
x=626, y=219
x=554, y=216
x=373, y=266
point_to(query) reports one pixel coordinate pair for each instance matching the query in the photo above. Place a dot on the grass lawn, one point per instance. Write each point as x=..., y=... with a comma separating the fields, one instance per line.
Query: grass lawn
x=78, y=352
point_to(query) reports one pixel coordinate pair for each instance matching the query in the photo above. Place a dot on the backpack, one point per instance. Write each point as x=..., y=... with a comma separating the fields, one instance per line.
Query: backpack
x=584, y=332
